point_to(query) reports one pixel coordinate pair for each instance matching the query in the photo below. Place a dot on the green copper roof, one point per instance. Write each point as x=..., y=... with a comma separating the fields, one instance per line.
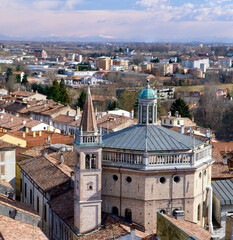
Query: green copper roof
x=147, y=92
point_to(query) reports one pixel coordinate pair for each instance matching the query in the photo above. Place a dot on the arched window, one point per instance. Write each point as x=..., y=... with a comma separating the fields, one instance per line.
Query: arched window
x=128, y=215
x=90, y=161
x=198, y=212
x=150, y=114
x=144, y=113
x=88, y=165
x=115, y=211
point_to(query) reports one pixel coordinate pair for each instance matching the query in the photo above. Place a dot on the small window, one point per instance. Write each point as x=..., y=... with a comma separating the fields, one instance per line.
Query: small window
x=150, y=114
x=128, y=215
x=2, y=157
x=129, y=179
x=3, y=170
x=205, y=173
x=200, y=175
x=178, y=122
x=115, y=177
x=31, y=196
x=25, y=190
x=90, y=186
x=38, y=204
x=144, y=112
x=162, y=180
x=162, y=211
x=170, y=121
x=177, y=179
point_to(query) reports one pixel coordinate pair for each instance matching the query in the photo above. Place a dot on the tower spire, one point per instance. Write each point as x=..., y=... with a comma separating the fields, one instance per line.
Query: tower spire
x=88, y=121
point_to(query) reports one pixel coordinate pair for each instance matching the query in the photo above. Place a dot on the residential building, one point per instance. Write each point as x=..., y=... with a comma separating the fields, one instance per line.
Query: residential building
x=104, y=63
x=41, y=184
x=41, y=54
x=221, y=93
x=27, y=96
x=165, y=93
x=225, y=62
x=196, y=62
x=7, y=163
x=12, y=123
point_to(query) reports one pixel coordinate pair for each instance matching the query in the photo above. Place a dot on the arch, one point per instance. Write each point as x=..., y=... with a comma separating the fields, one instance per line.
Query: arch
x=115, y=211
x=87, y=162
x=128, y=215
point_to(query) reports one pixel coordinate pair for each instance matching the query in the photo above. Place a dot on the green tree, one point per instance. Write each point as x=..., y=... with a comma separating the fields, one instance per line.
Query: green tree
x=180, y=106
x=54, y=91
x=128, y=100
x=64, y=97
x=113, y=105
x=24, y=80
x=18, y=68
x=8, y=73
x=18, y=78
x=81, y=99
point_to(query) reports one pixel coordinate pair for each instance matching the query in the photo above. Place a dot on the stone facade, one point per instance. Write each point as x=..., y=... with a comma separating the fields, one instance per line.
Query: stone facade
x=145, y=194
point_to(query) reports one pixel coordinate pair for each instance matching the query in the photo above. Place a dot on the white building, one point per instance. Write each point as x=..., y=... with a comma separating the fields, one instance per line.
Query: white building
x=201, y=63
x=7, y=162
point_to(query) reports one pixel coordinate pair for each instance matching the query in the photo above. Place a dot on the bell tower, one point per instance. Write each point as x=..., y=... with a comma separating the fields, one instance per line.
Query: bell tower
x=88, y=170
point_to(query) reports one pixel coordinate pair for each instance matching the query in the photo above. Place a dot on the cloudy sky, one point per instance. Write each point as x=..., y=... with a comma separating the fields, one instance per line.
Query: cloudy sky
x=138, y=20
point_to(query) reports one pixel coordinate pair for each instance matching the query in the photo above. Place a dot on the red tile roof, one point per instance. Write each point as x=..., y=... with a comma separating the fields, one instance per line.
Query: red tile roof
x=11, y=229
x=191, y=228
x=19, y=206
x=43, y=139
x=64, y=118
x=47, y=174
x=219, y=170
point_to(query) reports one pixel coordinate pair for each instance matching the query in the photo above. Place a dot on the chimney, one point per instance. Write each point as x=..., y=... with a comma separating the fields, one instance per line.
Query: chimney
x=12, y=119
x=169, y=114
x=68, y=113
x=40, y=133
x=34, y=134
x=76, y=117
x=78, y=111
x=26, y=129
x=182, y=129
x=61, y=159
x=208, y=133
x=49, y=138
x=16, y=114
x=24, y=122
x=177, y=114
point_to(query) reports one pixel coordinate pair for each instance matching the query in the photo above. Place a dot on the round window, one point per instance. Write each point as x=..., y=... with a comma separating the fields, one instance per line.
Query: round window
x=162, y=180
x=115, y=177
x=176, y=179
x=129, y=179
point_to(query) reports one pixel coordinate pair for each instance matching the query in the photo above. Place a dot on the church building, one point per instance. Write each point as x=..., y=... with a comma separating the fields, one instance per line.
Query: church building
x=135, y=172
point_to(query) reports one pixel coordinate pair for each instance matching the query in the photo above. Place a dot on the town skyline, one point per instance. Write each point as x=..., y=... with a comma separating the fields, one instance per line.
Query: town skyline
x=131, y=20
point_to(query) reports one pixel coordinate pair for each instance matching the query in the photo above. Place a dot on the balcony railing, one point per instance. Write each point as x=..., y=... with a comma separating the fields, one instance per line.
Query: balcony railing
x=157, y=159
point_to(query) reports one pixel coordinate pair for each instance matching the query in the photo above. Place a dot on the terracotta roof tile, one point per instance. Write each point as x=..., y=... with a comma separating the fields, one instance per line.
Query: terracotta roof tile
x=14, y=230
x=64, y=118
x=23, y=93
x=219, y=170
x=191, y=228
x=19, y=206
x=46, y=174
x=43, y=139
